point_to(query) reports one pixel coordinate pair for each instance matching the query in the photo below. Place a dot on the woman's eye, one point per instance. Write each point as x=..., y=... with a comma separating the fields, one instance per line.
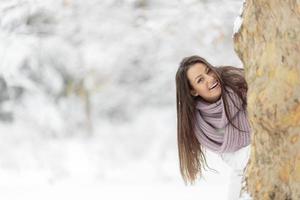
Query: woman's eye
x=199, y=80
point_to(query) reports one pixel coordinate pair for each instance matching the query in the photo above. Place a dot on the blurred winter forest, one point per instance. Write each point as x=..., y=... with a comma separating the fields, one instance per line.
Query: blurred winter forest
x=88, y=87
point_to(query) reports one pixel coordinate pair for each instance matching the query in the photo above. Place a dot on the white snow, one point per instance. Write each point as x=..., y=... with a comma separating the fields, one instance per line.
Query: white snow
x=238, y=20
x=237, y=25
x=91, y=86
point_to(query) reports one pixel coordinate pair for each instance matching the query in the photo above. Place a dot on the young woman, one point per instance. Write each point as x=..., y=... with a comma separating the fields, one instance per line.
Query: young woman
x=212, y=114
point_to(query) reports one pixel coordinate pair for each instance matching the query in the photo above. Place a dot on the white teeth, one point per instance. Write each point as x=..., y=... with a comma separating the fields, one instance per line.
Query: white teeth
x=213, y=85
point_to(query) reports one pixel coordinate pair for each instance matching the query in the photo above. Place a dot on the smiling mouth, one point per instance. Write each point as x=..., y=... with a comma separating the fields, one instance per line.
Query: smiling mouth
x=216, y=84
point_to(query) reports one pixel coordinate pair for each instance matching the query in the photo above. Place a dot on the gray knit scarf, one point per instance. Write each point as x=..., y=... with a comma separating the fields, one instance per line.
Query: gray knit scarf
x=211, y=116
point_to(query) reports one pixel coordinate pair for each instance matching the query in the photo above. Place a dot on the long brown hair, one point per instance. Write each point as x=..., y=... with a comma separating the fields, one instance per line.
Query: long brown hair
x=191, y=155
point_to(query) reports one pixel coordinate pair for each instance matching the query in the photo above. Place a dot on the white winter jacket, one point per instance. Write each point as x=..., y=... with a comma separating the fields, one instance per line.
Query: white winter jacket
x=237, y=161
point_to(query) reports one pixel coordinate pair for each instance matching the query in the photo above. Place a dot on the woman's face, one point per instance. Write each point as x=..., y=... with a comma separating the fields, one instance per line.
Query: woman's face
x=202, y=80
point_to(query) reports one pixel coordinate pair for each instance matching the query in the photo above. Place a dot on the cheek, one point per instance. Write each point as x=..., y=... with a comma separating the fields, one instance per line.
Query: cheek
x=202, y=90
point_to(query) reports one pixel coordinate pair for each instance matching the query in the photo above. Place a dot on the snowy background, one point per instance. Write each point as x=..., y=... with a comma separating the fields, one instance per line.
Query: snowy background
x=87, y=102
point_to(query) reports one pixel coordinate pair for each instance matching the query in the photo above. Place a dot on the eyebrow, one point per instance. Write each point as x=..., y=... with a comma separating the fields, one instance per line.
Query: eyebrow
x=201, y=74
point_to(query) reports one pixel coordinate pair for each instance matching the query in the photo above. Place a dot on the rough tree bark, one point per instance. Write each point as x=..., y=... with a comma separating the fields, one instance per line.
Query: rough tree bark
x=268, y=44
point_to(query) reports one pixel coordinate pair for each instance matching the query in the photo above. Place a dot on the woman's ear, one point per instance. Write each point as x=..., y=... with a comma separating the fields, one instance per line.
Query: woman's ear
x=194, y=93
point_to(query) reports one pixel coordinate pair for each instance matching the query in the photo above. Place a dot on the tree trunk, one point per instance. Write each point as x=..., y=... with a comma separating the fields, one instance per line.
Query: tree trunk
x=268, y=44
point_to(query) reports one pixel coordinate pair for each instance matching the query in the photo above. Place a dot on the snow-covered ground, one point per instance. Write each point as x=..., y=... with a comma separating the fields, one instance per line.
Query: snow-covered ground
x=87, y=96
